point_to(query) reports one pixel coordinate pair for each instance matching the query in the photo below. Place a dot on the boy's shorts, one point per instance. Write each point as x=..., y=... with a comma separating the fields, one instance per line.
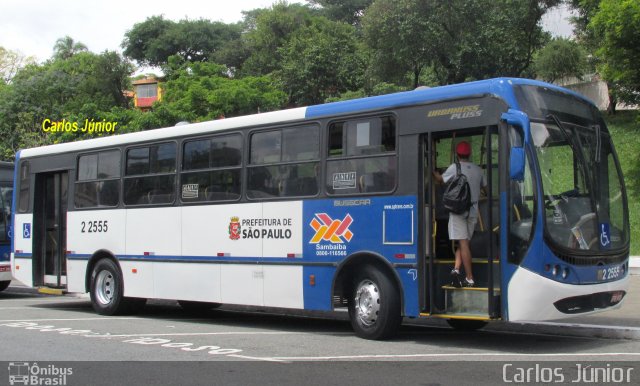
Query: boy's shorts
x=461, y=226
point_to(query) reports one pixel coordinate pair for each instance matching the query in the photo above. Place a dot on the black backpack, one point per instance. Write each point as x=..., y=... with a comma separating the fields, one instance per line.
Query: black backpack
x=457, y=193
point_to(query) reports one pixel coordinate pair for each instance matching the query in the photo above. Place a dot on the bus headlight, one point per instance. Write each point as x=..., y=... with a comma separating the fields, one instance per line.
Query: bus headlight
x=565, y=273
x=556, y=270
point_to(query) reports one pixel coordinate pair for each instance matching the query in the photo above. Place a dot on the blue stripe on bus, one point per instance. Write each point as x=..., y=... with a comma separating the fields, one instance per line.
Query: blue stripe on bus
x=214, y=259
x=499, y=86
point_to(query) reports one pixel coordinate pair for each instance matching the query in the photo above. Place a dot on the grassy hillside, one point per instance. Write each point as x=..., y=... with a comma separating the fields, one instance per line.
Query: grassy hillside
x=625, y=131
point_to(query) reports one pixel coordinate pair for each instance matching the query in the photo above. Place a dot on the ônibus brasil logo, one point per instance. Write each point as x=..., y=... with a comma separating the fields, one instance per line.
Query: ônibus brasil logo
x=328, y=229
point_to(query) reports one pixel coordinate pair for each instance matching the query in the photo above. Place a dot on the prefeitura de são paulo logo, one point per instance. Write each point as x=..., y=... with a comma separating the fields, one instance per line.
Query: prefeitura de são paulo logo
x=234, y=228
x=328, y=229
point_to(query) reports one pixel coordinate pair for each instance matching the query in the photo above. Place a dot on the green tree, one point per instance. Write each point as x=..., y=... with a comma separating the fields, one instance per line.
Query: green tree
x=11, y=62
x=584, y=10
x=84, y=85
x=321, y=61
x=458, y=40
x=153, y=41
x=616, y=26
x=66, y=47
x=560, y=58
x=203, y=91
x=348, y=11
x=269, y=30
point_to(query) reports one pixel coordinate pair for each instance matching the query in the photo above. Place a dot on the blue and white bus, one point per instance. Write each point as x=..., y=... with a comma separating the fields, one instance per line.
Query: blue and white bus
x=6, y=197
x=334, y=206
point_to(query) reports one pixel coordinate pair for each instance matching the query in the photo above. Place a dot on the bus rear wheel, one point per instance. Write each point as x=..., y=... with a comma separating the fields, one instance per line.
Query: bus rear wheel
x=107, y=290
x=374, y=306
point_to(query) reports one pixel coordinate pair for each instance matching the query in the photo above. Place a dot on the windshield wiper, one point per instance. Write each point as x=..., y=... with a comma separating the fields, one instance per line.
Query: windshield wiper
x=582, y=161
x=596, y=157
x=572, y=141
x=563, y=130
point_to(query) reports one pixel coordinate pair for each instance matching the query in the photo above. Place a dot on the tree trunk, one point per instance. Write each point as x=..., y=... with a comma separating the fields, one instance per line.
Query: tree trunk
x=613, y=101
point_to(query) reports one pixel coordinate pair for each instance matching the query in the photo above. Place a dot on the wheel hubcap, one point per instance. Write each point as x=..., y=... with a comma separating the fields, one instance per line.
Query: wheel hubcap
x=105, y=286
x=367, y=302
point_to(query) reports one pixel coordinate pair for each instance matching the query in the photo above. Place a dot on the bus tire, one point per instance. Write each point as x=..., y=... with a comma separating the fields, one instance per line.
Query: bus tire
x=193, y=306
x=374, y=305
x=107, y=290
x=466, y=325
x=4, y=284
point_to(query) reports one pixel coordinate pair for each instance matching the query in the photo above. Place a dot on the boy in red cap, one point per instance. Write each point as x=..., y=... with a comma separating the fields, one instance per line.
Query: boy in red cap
x=461, y=226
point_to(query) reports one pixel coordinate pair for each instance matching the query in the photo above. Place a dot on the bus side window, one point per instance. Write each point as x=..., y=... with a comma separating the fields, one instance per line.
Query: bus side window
x=4, y=217
x=211, y=169
x=521, y=209
x=362, y=156
x=23, y=198
x=98, y=181
x=284, y=163
x=150, y=175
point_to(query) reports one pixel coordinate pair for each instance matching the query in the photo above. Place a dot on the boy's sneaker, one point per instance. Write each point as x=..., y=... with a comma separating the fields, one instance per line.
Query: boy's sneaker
x=467, y=283
x=456, y=278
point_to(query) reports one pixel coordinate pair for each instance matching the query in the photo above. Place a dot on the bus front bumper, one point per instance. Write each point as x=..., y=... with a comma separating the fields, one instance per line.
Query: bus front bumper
x=532, y=297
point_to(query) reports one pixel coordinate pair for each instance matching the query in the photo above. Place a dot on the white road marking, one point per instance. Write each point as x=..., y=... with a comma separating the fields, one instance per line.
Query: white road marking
x=445, y=355
x=204, y=333
x=40, y=299
x=258, y=358
x=70, y=319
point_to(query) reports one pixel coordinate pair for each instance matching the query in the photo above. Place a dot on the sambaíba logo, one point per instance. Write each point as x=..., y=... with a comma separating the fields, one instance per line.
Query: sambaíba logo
x=234, y=228
x=328, y=229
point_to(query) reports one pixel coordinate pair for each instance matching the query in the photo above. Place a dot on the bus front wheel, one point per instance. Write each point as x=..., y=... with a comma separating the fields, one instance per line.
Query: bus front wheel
x=107, y=290
x=374, y=305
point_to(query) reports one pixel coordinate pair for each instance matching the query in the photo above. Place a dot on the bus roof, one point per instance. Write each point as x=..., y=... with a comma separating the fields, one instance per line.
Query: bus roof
x=501, y=87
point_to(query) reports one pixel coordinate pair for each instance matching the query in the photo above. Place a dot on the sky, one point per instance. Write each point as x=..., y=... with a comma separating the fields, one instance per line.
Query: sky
x=33, y=26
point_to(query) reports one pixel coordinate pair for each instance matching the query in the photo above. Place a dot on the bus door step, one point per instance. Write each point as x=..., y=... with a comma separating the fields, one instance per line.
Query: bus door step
x=466, y=300
x=51, y=291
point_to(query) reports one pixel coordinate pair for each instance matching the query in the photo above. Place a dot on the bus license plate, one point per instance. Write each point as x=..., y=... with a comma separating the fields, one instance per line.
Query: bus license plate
x=611, y=273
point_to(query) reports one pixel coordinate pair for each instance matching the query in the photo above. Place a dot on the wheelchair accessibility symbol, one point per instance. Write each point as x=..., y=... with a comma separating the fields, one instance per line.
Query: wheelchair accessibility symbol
x=605, y=236
x=26, y=231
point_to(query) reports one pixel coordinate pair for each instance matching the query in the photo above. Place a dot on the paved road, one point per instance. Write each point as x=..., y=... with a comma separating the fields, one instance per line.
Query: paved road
x=64, y=328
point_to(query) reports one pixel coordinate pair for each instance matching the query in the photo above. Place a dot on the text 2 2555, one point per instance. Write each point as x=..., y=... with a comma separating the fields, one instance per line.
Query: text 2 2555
x=95, y=226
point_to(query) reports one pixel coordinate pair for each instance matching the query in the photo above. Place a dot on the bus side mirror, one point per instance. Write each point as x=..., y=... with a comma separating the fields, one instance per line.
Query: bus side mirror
x=516, y=164
x=517, y=156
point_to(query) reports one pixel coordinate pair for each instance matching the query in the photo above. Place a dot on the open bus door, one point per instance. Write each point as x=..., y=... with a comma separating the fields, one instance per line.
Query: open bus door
x=463, y=307
x=50, y=229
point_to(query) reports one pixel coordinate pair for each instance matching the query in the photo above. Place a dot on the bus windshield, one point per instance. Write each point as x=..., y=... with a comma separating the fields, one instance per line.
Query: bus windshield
x=581, y=178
